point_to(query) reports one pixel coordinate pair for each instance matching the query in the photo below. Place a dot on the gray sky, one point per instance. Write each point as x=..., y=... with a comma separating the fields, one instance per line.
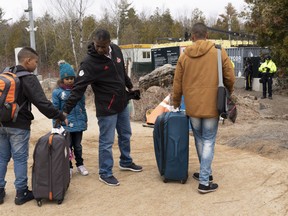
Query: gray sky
x=212, y=8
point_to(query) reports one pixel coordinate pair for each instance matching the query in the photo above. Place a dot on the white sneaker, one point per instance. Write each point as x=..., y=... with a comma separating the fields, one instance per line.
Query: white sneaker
x=82, y=170
x=71, y=172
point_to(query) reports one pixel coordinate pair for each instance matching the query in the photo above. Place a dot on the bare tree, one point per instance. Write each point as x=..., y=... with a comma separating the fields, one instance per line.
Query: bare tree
x=74, y=12
x=47, y=24
x=118, y=11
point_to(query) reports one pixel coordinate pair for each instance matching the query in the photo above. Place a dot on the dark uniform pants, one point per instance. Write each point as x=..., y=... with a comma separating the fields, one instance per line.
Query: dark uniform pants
x=249, y=79
x=267, y=79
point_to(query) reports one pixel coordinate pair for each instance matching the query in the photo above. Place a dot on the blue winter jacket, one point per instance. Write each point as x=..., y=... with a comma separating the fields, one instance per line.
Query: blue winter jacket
x=77, y=118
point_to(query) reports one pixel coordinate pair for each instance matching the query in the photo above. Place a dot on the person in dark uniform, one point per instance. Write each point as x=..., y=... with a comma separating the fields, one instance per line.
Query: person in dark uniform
x=248, y=72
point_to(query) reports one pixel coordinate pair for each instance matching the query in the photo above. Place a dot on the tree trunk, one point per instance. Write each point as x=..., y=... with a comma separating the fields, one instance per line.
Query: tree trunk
x=73, y=44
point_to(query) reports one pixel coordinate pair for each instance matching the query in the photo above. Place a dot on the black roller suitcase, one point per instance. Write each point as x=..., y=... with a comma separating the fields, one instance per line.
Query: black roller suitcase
x=51, y=169
x=171, y=145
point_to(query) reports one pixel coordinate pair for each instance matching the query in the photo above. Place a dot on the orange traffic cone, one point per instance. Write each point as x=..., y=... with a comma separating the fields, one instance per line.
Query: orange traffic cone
x=151, y=115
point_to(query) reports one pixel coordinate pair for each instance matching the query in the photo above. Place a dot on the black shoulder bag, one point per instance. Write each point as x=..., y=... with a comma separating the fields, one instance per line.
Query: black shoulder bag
x=226, y=107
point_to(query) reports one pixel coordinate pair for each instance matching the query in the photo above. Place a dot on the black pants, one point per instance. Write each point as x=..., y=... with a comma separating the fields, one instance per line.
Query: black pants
x=76, y=147
x=249, y=79
x=266, y=79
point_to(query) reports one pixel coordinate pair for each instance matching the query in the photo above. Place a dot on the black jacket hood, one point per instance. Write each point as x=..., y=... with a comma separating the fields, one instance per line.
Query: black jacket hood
x=92, y=52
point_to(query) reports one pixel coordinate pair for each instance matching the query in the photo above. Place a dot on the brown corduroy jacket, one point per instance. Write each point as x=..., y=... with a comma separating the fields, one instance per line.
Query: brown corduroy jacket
x=196, y=77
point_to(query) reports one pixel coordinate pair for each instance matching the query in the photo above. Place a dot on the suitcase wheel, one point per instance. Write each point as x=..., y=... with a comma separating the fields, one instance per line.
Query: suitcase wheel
x=39, y=202
x=59, y=201
x=165, y=180
x=183, y=181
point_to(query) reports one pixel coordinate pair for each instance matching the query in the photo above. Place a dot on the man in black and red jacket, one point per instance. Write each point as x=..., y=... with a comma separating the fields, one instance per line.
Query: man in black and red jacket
x=103, y=68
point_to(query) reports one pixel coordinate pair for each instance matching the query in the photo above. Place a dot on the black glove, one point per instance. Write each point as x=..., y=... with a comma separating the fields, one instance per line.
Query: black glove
x=267, y=70
x=261, y=80
x=58, y=123
x=61, y=121
x=135, y=95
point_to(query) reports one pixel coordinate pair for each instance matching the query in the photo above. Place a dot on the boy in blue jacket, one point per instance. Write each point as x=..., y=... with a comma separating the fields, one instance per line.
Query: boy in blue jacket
x=77, y=118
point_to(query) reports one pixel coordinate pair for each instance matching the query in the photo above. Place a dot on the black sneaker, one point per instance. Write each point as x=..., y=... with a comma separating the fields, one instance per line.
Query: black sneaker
x=23, y=196
x=196, y=176
x=270, y=97
x=206, y=189
x=263, y=97
x=111, y=181
x=2, y=195
x=132, y=167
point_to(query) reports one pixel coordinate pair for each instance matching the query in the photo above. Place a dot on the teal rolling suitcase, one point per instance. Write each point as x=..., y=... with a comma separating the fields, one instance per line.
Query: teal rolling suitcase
x=171, y=145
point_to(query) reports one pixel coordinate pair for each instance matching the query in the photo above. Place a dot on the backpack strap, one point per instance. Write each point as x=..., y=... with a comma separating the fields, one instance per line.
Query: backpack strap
x=14, y=71
x=5, y=69
x=23, y=73
x=20, y=74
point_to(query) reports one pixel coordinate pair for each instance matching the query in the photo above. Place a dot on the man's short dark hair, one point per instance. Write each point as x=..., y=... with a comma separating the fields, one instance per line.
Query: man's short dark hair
x=26, y=52
x=101, y=34
x=199, y=30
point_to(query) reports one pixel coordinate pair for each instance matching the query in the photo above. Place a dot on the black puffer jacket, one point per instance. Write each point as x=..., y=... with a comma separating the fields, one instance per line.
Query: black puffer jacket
x=32, y=92
x=108, y=80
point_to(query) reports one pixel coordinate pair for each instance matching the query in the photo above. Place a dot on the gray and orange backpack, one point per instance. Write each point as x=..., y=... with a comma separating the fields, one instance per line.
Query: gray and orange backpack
x=9, y=90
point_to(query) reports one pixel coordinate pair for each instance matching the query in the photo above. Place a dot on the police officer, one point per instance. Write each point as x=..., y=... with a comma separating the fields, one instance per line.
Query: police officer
x=248, y=72
x=267, y=70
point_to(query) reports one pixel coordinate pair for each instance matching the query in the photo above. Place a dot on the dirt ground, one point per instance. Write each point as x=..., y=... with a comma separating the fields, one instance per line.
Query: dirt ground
x=250, y=166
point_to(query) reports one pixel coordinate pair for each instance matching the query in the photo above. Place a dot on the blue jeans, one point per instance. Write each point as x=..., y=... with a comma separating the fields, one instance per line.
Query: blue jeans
x=205, y=131
x=107, y=126
x=14, y=143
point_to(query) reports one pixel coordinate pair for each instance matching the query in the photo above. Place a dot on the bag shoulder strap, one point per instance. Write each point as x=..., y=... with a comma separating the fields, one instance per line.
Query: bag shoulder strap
x=220, y=74
x=6, y=69
x=23, y=73
x=14, y=71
